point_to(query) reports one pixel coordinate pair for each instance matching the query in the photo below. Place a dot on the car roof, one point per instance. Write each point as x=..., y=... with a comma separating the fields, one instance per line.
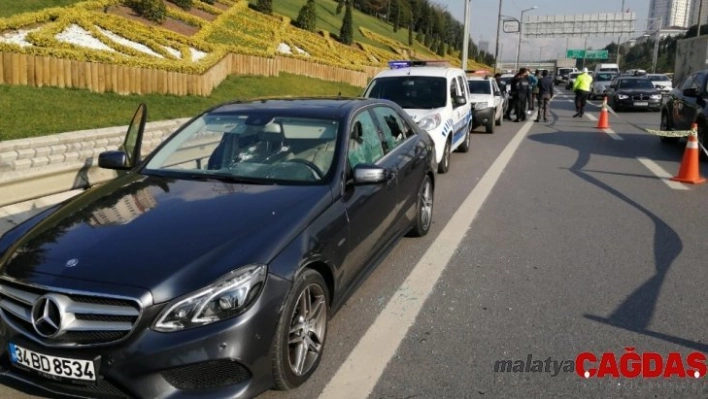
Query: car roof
x=315, y=107
x=430, y=71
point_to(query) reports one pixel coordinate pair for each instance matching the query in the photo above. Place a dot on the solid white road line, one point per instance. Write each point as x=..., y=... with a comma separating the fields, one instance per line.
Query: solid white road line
x=661, y=174
x=360, y=372
x=609, y=132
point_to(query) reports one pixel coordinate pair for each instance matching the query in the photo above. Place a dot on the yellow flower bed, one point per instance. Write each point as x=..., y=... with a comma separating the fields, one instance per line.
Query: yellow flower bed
x=200, y=5
x=396, y=46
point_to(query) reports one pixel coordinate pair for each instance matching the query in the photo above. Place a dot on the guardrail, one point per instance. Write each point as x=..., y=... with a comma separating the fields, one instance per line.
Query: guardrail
x=37, y=167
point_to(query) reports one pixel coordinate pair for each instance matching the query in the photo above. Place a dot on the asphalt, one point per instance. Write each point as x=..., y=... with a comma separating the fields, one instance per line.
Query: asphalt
x=579, y=248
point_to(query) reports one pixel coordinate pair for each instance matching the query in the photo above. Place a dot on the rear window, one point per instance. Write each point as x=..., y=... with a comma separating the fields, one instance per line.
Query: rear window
x=412, y=92
x=479, y=87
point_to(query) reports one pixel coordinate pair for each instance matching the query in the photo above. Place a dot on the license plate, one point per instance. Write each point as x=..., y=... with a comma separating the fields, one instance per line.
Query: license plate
x=76, y=369
x=641, y=104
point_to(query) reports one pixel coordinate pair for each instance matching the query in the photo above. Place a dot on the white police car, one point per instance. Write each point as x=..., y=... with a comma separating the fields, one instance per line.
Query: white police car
x=436, y=96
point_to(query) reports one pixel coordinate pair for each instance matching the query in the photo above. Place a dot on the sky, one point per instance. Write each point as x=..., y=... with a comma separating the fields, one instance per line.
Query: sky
x=483, y=23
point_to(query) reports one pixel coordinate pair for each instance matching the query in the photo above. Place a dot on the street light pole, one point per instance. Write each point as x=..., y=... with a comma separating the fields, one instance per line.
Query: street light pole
x=656, y=46
x=496, y=51
x=466, y=38
x=518, y=47
x=619, y=40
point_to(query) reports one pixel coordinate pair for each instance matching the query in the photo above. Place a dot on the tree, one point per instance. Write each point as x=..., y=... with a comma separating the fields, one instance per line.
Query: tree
x=307, y=17
x=265, y=6
x=397, y=20
x=346, y=33
x=340, y=5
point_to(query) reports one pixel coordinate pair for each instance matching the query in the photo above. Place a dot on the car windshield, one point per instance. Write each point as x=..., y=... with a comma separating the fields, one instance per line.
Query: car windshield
x=565, y=71
x=413, y=92
x=574, y=75
x=635, y=84
x=479, y=87
x=659, y=78
x=254, y=146
x=605, y=77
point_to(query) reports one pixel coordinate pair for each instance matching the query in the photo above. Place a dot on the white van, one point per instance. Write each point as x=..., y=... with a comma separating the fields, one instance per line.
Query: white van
x=607, y=68
x=436, y=96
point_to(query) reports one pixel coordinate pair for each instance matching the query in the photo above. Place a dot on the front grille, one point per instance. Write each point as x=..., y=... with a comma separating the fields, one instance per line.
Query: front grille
x=212, y=374
x=640, y=97
x=85, y=319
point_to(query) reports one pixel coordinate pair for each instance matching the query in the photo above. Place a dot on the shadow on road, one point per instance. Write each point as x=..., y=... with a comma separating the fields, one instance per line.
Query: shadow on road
x=635, y=312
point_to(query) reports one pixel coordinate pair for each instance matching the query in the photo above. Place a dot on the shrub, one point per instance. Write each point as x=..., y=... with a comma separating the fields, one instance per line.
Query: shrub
x=340, y=6
x=183, y=4
x=265, y=6
x=346, y=34
x=307, y=17
x=154, y=10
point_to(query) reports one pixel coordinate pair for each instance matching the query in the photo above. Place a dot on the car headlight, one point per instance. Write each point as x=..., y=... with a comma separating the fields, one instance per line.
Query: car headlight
x=227, y=297
x=481, y=106
x=622, y=96
x=430, y=122
x=655, y=96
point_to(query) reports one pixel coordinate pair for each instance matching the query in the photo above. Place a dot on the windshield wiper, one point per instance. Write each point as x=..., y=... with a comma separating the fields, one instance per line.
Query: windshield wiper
x=222, y=177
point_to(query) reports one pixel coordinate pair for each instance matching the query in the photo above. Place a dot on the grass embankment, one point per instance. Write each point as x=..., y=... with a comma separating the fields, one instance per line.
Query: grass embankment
x=27, y=111
x=12, y=7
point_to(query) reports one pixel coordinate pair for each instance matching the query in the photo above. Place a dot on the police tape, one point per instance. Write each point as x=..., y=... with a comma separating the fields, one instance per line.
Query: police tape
x=666, y=133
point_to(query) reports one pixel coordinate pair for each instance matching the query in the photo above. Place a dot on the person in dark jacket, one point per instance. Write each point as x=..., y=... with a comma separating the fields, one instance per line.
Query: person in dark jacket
x=520, y=88
x=545, y=93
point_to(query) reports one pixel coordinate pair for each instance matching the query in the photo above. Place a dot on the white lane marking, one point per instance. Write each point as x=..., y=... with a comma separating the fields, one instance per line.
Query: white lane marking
x=360, y=372
x=661, y=174
x=609, y=132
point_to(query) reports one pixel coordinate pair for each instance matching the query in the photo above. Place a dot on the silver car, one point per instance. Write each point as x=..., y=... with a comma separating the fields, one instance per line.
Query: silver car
x=661, y=82
x=600, y=83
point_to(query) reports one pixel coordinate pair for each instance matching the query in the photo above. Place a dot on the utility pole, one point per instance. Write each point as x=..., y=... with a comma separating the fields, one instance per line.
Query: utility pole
x=585, y=50
x=496, y=51
x=700, y=15
x=619, y=39
x=466, y=38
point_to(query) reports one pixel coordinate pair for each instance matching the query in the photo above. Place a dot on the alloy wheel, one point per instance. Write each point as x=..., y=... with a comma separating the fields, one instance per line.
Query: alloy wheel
x=307, y=329
x=426, y=205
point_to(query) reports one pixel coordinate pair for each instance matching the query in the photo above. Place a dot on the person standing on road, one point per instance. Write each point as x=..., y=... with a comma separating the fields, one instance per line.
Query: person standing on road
x=581, y=87
x=520, y=92
x=533, y=82
x=545, y=93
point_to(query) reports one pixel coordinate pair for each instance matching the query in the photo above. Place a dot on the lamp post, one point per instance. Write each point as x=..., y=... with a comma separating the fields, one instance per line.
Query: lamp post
x=518, y=47
x=466, y=38
x=496, y=51
x=656, y=47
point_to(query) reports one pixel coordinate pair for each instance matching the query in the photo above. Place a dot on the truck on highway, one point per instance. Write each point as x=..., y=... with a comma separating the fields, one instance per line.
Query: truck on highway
x=563, y=67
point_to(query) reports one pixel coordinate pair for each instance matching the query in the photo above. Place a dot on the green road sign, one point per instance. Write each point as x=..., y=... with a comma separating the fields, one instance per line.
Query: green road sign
x=575, y=54
x=588, y=54
x=596, y=54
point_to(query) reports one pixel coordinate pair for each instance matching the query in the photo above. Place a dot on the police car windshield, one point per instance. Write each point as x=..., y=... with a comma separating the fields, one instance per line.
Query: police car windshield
x=605, y=76
x=479, y=87
x=413, y=92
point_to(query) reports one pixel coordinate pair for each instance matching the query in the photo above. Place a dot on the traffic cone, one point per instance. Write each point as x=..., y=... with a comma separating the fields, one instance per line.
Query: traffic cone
x=604, y=122
x=689, y=171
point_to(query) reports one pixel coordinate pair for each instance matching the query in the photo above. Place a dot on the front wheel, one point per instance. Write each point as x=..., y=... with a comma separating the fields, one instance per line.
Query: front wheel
x=424, y=209
x=444, y=165
x=465, y=146
x=498, y=122
x=302, y=329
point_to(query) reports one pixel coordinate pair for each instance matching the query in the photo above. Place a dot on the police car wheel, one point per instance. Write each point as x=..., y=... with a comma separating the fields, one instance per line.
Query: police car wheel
x=444, y=165
x=465, y=146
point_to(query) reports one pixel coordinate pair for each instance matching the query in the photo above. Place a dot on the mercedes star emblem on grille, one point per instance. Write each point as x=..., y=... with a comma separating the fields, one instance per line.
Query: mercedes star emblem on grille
x=47, y=316
x=71, y=262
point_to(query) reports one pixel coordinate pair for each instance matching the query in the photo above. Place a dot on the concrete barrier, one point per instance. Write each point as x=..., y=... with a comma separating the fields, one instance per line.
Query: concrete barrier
x=37, y=167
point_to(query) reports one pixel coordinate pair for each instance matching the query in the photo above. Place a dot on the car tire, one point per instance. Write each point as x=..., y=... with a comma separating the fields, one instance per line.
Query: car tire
x=498, y=122
x=465, y=146
x=424, y=209
x=702, y=137
x=308, y=286
x=444, y=165
x=489, y=127
x=665, y=125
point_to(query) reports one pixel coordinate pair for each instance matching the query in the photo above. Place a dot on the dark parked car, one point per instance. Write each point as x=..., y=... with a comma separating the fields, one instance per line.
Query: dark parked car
x=633, y=92
x=210, y=268
x=687, y=104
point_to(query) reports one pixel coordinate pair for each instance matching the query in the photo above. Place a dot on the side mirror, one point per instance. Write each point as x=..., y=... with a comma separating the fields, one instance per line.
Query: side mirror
x=134, y=137
x=497, y=93
x=690, y=92
x=369, y=174
x=116, y=160
x=459, y=100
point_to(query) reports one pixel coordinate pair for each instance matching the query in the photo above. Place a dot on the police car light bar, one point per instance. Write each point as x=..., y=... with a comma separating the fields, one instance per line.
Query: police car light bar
x=411, y=63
